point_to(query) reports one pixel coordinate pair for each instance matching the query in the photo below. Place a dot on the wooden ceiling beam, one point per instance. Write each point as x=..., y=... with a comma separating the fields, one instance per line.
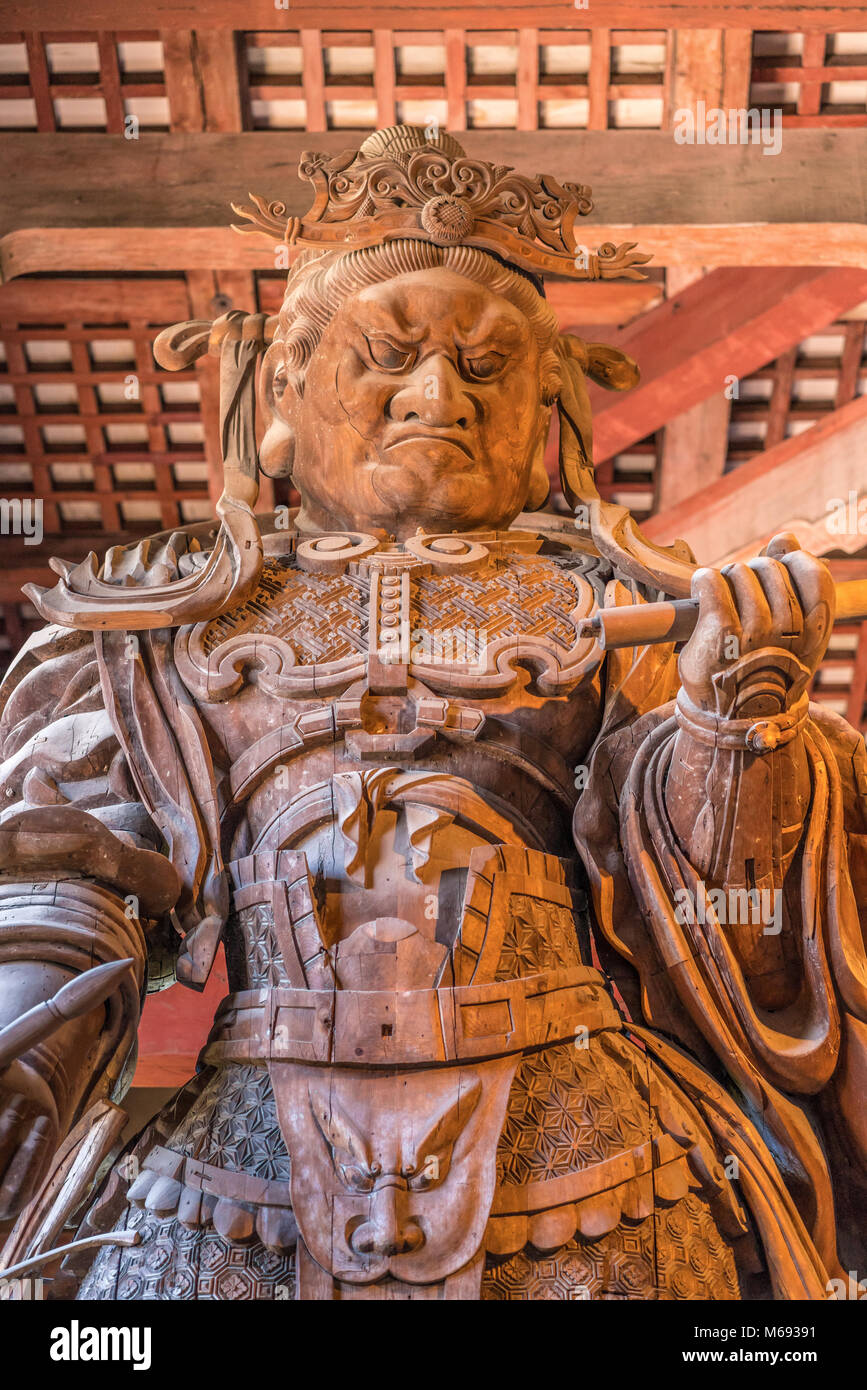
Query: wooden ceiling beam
x=162, y=202
x=607, y=304
x=160, y=250
x=58, y=299
x=815, y=15
x=720, y=328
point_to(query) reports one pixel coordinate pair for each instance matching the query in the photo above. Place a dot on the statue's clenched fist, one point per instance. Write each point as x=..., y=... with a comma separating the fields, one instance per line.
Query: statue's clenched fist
x=29, y=1134
x=765, y=623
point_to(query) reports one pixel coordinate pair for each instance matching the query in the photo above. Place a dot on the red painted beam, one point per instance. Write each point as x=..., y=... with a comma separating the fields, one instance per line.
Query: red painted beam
x=720, y=328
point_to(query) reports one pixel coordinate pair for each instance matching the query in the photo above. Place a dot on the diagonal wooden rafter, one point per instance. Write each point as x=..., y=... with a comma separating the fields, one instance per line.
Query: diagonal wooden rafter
x=719, y=329
x=818, y=473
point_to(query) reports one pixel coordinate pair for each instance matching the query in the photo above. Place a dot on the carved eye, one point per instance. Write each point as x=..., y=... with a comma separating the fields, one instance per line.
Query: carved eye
x=430, y=1172
x=486, y=367
x=355, y=1179
x=386, y=355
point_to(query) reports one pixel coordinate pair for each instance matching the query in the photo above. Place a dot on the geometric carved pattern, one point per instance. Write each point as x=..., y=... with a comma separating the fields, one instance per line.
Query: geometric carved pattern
x=323, y=617
x=175, y=1263
x=263, y=963
x=569, y=1107
x=671, y=1255
x=527, y=595
x=234, y=1125
x=620, y=1265
x=539, y=936
x=693, y=1259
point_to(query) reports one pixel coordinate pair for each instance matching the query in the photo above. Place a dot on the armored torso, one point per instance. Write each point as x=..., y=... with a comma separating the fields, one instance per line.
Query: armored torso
x=419, y=1085
x=458, y=653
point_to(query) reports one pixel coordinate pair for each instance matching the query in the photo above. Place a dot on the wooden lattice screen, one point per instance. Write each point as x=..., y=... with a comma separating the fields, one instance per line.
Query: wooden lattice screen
x=524, y=79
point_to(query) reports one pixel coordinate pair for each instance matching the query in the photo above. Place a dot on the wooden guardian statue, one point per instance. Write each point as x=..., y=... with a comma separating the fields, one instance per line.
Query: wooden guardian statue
x=545, y=944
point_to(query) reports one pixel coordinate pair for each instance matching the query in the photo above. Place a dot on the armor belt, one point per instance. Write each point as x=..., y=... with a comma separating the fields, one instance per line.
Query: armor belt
x=590, y=1199
x=418, y=1028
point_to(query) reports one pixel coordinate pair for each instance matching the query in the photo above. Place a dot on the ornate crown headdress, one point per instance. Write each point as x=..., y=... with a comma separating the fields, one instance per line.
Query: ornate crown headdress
x=400, y=183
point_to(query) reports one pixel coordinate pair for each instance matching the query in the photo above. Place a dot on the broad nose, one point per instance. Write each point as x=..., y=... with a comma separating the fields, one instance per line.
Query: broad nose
x=435, y=395
x=388, y=1230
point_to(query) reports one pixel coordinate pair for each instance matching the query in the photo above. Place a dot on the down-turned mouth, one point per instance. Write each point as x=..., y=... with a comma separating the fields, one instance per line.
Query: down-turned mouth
x=430, y=437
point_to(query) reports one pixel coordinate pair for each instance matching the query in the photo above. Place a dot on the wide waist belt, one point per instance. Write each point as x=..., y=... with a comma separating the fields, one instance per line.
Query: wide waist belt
x=422, y=1027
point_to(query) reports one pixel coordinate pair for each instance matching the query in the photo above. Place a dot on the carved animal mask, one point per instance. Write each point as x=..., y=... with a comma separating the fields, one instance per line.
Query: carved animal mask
x=393, y=1171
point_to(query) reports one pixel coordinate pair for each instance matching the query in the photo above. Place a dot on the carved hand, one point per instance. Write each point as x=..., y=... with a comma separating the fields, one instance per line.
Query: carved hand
x=29, y=1134
x=781, y=605
x=40, y=1089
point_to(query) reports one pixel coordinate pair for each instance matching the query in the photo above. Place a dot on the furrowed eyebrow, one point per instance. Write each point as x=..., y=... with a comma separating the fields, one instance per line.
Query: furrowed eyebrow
x=373, y=318
x=500, y=332
x=403, y=335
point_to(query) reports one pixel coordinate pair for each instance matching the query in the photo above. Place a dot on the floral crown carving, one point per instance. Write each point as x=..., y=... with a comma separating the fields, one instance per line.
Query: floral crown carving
x=399, y=183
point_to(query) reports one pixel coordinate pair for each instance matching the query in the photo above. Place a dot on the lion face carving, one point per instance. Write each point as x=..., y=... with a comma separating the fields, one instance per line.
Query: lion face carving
x=403, y=1160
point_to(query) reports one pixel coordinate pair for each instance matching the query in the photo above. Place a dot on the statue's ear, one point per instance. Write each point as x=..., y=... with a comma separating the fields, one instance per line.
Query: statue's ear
x=279, y=395
x=611, y=368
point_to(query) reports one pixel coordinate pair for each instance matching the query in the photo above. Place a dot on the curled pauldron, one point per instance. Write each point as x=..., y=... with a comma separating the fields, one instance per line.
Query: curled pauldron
x=89, y=599
x=85, y=600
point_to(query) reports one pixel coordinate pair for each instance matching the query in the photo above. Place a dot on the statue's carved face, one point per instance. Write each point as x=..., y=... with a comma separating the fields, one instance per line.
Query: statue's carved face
x=421, y=407
x=393, y=1171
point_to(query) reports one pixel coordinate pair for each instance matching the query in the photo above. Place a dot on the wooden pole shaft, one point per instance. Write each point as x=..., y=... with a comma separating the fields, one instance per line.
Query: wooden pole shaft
x=642, y=624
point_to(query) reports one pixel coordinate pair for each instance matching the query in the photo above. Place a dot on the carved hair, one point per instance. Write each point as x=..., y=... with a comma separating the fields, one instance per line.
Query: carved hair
x=319, y=285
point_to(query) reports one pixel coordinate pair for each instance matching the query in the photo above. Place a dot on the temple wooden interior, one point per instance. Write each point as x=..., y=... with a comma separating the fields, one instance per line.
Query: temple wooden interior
x=125, y=136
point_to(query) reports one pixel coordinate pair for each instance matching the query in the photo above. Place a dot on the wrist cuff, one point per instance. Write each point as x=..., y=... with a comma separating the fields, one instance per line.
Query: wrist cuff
x=744, y=735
